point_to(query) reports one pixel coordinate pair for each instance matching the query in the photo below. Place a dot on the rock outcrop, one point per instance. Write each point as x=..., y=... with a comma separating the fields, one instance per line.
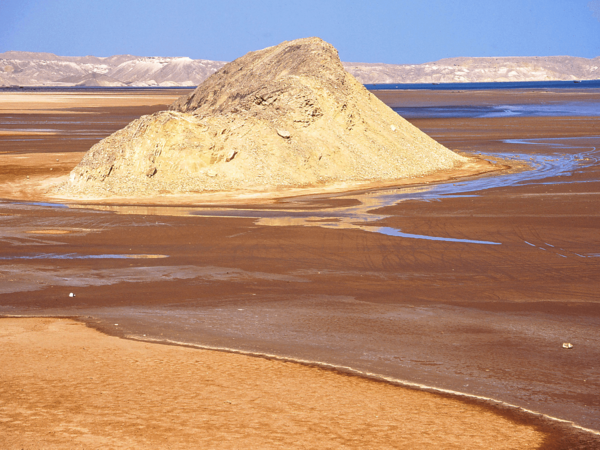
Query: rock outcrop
x=286, y=116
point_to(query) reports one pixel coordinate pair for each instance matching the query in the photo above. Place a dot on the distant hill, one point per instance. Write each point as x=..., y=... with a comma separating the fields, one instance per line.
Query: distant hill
x=472, y=70
x=47, y=69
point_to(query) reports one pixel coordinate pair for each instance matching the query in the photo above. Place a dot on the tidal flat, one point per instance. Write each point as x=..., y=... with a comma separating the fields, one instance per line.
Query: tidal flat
x=468, y=285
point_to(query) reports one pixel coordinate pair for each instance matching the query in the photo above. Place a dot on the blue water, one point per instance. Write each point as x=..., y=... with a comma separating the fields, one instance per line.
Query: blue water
x=46, y=204
x=91, y=88
x=78, y=256
x=584, y=84
x=65, y=256
x=535, y=110
x=388, y=231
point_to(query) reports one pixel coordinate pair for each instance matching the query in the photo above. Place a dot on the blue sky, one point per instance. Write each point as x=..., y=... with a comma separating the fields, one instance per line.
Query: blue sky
x=400, y=31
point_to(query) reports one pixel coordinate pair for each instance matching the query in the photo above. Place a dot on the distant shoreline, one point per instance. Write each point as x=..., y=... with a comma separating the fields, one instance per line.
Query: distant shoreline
x=93, y=88
x=492, y=85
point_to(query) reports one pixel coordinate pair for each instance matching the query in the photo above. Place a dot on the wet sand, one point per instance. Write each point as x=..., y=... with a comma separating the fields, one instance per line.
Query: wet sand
x=481, y=309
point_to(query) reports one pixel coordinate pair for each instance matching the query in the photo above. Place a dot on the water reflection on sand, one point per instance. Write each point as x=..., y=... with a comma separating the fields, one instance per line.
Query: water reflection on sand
x=364, y=215
x=79, y=256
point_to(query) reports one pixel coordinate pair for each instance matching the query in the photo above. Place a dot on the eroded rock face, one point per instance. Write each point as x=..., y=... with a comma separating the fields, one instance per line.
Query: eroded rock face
x=285, y=116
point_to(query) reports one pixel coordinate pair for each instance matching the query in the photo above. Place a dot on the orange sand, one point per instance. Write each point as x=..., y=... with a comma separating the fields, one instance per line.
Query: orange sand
x=63, y=385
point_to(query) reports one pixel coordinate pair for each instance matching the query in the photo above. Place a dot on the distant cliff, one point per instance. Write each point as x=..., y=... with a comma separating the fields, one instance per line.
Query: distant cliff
x=471, y=70
x=47, y=69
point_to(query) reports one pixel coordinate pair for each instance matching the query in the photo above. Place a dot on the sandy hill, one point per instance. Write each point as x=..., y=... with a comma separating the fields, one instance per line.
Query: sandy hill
x=286, y=116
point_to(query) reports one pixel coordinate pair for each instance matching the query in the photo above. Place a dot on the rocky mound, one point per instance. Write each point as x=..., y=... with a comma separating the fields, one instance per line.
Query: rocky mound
x=286, y=116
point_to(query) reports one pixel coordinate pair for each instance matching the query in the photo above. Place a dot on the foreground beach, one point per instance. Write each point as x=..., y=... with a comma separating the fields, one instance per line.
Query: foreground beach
x=473, y=290
x=72, y=387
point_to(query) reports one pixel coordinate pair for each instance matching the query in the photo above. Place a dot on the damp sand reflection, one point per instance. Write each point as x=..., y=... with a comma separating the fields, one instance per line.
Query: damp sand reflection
x=364, y=215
